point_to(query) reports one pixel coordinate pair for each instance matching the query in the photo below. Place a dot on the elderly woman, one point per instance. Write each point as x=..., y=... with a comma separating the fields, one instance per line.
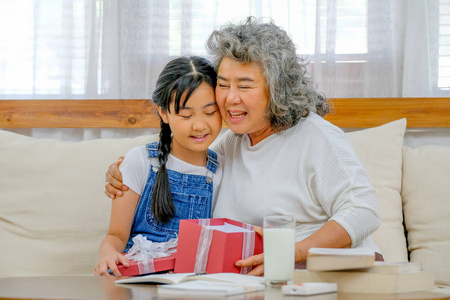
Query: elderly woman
x=282, y=157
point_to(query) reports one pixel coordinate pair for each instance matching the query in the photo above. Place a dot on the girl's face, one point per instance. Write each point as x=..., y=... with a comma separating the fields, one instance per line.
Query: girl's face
x=196, y=126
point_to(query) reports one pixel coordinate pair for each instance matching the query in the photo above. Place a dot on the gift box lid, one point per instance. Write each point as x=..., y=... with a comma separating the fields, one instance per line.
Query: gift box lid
x=148, y=266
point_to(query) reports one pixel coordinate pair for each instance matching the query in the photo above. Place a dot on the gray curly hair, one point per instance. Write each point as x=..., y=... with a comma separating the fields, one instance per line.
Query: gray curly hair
x=292, y=91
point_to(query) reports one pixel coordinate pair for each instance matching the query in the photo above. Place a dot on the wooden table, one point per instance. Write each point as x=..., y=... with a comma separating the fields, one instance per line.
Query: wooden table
x=91, y=287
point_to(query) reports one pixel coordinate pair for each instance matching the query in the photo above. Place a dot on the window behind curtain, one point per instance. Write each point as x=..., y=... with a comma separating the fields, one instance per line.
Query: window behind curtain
x=45, y=45
x=444, y=45
x=43, y=48
x=297, y=17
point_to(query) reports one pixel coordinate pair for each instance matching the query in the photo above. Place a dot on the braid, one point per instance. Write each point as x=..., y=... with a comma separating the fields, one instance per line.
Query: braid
x=162, y=204
x=165, y=138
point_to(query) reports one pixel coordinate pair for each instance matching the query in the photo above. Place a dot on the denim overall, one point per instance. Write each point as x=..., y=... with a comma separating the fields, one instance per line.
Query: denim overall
x=192, y=196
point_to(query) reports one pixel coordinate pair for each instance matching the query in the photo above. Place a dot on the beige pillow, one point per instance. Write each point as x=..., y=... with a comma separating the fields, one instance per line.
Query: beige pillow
x=426, y=205
x=380, y=151
x=54, y=212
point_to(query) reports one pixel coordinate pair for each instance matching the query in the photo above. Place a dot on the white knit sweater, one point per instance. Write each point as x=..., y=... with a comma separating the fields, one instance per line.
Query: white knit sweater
x=310, y=171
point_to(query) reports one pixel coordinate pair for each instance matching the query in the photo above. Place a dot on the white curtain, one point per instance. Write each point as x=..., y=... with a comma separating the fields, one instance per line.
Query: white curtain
x=111, y=49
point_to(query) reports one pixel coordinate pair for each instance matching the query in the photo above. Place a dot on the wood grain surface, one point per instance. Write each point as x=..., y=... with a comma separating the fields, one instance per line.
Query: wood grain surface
x=140, y=113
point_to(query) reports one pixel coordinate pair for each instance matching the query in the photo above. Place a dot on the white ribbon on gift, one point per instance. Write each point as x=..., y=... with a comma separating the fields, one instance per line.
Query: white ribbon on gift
x=204, y=222
x=248, y=246
x=144, y=252
x=204, y=243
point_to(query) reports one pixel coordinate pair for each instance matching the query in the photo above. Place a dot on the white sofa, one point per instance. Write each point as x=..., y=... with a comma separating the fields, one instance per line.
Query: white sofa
x=54, y=213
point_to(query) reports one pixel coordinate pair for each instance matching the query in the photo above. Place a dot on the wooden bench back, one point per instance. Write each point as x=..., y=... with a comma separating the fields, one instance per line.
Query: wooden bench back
x=346, y=113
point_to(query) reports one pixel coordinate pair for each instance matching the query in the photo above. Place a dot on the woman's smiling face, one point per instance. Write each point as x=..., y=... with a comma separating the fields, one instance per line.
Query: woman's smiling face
x=242, y=96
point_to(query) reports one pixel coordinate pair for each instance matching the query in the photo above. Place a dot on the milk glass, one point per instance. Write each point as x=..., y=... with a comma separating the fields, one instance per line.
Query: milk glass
x=279, y=249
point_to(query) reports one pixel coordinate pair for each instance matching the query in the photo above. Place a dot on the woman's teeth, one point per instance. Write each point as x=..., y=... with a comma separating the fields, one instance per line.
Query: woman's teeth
x=238, y=114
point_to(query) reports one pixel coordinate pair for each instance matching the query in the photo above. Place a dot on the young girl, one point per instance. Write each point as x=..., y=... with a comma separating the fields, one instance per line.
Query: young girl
x=175, y=178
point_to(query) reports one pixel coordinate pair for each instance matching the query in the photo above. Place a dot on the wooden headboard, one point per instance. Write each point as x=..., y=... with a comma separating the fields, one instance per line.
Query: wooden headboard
x=346, y=113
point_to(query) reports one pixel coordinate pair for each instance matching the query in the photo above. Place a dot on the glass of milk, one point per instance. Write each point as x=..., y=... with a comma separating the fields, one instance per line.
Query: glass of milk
x=279, y=249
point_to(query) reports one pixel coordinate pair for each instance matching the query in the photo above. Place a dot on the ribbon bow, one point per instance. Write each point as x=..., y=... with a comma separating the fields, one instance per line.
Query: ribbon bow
x=144, y=249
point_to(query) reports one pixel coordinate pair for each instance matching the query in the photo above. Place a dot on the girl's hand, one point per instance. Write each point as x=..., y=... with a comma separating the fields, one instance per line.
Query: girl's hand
x=257, y=261
x=110, y=261
x=114, y=183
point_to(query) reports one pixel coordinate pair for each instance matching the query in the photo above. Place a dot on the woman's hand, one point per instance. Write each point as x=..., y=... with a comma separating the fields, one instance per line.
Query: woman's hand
x=257, y=261
x=114, y=185
x=110, y=260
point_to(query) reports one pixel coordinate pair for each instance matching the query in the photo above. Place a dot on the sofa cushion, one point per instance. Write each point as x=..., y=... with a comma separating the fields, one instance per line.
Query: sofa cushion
x=380, y=151
x=54, y=212
x=426, y=205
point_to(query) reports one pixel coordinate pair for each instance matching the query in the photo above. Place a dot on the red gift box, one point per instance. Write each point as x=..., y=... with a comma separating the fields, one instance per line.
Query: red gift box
x=148, y=266
x=201, y=248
